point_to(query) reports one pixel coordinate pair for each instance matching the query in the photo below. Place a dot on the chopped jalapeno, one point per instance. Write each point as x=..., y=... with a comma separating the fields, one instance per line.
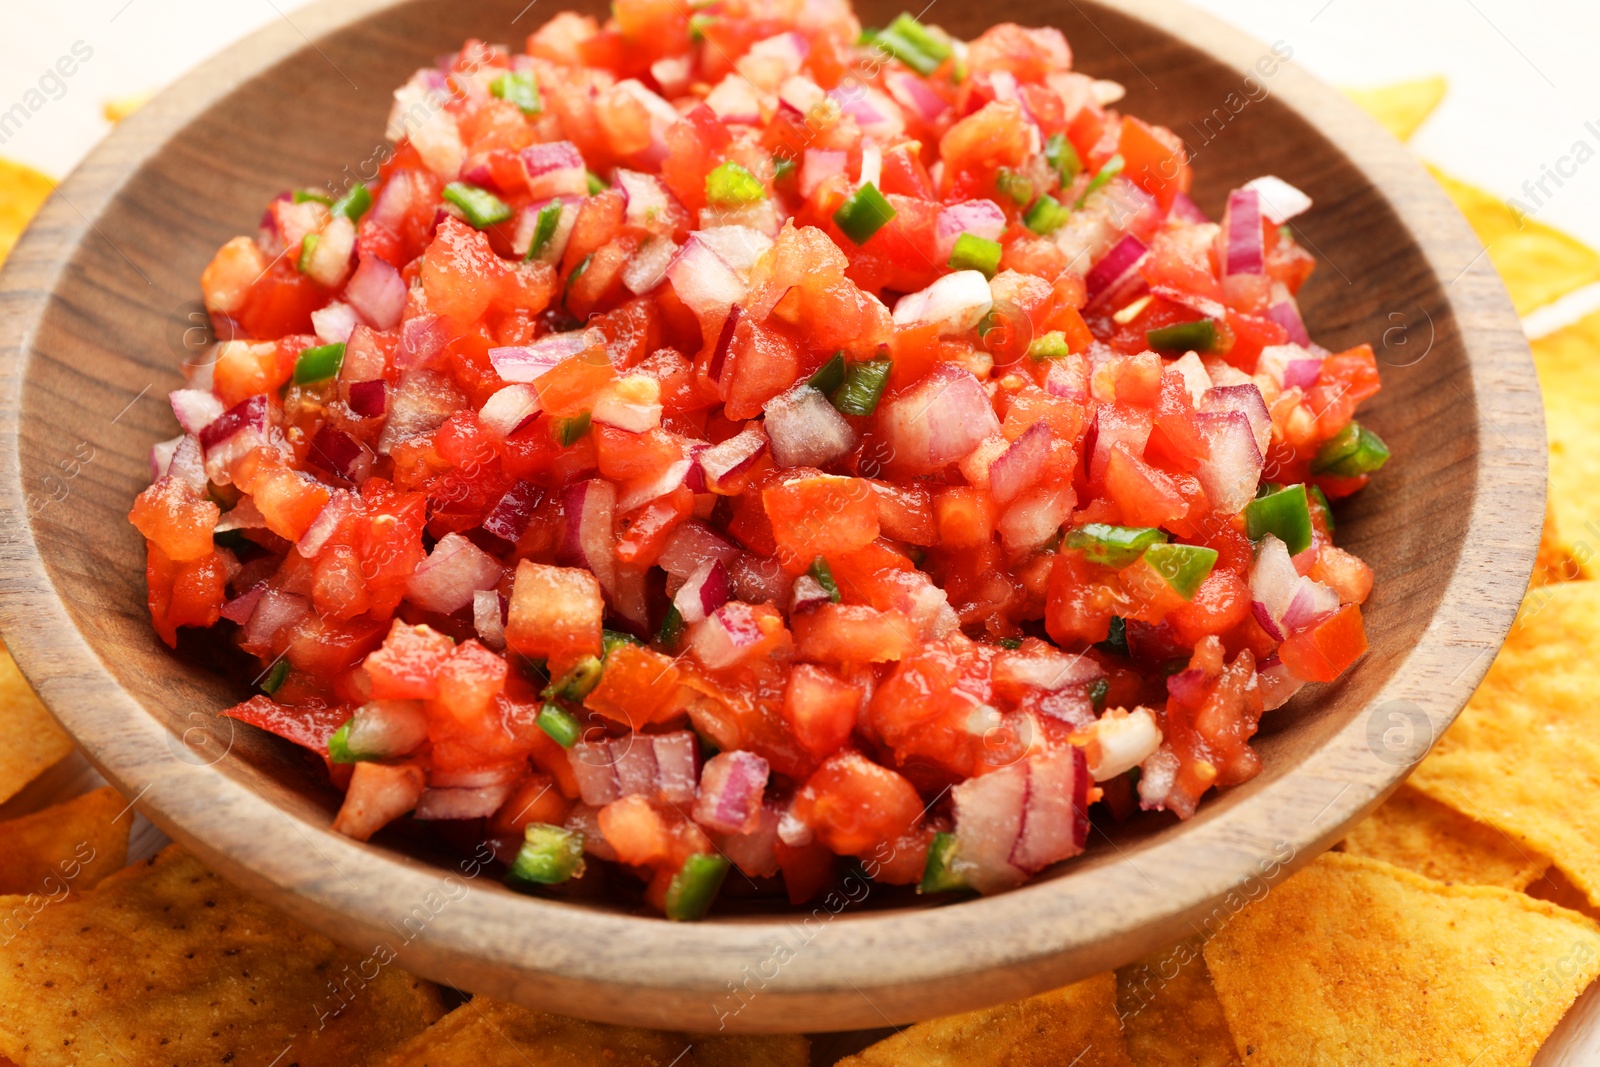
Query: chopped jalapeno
x=972, y=252
x=1052, y=345
x=1112, y=168
x=863, y=213
x=597, y=184
x=1319, y=501
x=1116, y=636
x=863, y=386
x=544, y=228
x=1286, y=514
x=824, y=576
x=354, y=203
x=569, y=431
x=671, y=628
x=610, y=639
x=319, y=363
x=695, y=886
x=308, y=248
x=481, y=207
x=1098, y=689
x=302, y=196
x=939, y=874
x=1046, y=216
x=1198, y=336
x=1012, y=643
x=730, y=185
x=698, y=24
x=562, y=726
x=913, y=44
x=1061, y=156
x=1113, y=546
x=782, y=167
x=275, y=676
x=521, y=89
x=1353, y=451
x=578, y=682
x=829, y=376
x=1183, y=566
x=1013, y=184
x=549, y=855
x=339, y=745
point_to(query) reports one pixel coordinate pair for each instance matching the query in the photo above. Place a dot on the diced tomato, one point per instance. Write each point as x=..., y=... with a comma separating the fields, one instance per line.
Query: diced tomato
x=555, y=614
x=853, y=804
x=1322, y=651
x=849, y=633
x=821, y=515
x=407, y=666
x=1154, y=159
x=637, y=688
x=821, y=708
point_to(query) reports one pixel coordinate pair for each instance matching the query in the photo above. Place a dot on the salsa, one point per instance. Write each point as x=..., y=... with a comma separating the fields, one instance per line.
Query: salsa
x=743, y=440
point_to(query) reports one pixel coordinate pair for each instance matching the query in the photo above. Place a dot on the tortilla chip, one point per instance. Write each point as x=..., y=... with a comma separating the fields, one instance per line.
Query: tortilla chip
x=1170, y=1014
x=165, y=962
x=488, y=1033
x=1414, y=831
x=1355, y=961
x=1401, y=107
x=23, y=191
x=1568, y=362
x=119, y=108
x=1539, y=264
x=1524, y=755
x=1558, y=560
x=30, y=740
x=77, y=843
x=1077, y=1025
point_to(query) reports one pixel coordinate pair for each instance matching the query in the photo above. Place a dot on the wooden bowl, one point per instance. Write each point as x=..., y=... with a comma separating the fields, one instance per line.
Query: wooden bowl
x=98, y=307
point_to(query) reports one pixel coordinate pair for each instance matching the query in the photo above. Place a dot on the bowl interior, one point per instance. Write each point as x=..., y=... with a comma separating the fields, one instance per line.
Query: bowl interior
x=123, y=315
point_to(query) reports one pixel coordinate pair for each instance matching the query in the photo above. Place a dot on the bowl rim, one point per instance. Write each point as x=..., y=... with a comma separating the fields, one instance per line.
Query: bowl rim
x=864, y=970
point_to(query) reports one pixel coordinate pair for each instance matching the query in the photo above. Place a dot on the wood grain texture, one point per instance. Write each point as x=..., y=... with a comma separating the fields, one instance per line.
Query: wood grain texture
x=93, y=307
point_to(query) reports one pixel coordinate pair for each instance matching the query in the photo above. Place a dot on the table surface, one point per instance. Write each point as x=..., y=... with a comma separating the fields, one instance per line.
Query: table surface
x=1520, y=109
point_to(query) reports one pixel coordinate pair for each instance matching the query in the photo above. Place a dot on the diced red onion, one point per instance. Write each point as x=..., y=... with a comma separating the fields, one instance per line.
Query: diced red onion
x=703, y=281
x=421, y=405
x=759, y=579
x=1185, y=209
x=524, y=363
x=509, y=409
x=662, y=117
x=819, y=165
x=456, y=569
x=734, y=100
x=1301, y=373
x=555, y=168
x=677, y=757
x=634, y=416
x=914, y=94
x=590, y=508
x=704, y=591
x=731, y=788
x=528, y=223
x=489, y=618
x=807, y=593
x=726, y=636
x=368, y=399
x=338, y=453
x=787, y=50
x=1264, y=618
x=1273, y=584
x=1279, y=200
x=195, y=409
x=1033, y=518
x=981, y=218
x=740, y=247
x=1242, y=225
x=275, y=611
x=1050, y=671
x=988, y=822
x=595, y=768
x=640, y=493
x=1188, y=686
x=1068, y=379
x=939, y=420
x=800, y=95
x=161, y=458
x=420, y=339
x=335, y=323
x=875, y=113
x=241, y=607
x=957, y=302
x=325, y=525
x=1115, y=265
x=806, y=430
x=1055, y=820
x=871, y=163
x=1312, y=600
x=508, y=520
x=635, y=765
x=1278, y=684
x=647, y=268
x=247, y=414
x=376, y=292
x=693, y=545
x=479, y=803
x=1286, y=313
x=755, y=851
x=672, y=74
x=1247, y=400
x=1020, y=465
x=649, y=202
x=721, y=463
x=1231, y=472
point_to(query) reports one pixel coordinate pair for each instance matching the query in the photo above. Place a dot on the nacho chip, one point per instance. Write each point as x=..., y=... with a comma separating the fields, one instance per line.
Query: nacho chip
x=1401, y=107
x=30, y=740
x=1539, y=264
x=1077, y=1025
x=1355, y=961
x=1170, y=1014
x=1524, y=756
x=1558, y=560
x=76, y=844
x=1569, y=377
x=489, y=1033
x=23, y=191
x=165, y=962
x=1414, y=831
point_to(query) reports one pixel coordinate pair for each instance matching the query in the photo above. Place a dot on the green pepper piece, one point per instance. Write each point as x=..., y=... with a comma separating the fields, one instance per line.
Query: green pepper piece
x=1113, y=546
x=319, y=363
x=339, y=744
x=577, y=683
x=597, y=184
x=863, y=387
x=671, y=628
x=1112, y=168
x=610, y=639
x=1198, y=336
x=549, y=855
x=1286, y=514
x=544, y=228
x=1319, y=501
x=824, y=576
x=913, y=44
x=308, y=248
x=275, y=677
x=1014, y=184
x=1116, y=636
x=302, y=196
x=1183, y=566
x=1353, y=451
x=695, y=886
x=939, y=874
x=520, y=88
x=354, y=203
x=481, y=207
x=569, y=431
x=1052, y=345
x=829, y=376
x=782, y=167
x=1046, y=216
x=562, y=726
x=972, y=252
x=730, y=185
x=1060, y=154
x=863, y=213
x=1098, y=690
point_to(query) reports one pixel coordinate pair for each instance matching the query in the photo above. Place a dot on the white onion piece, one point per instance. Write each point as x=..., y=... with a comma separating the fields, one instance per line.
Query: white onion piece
x=455, y=570
x=1049, y=670
x=1121, y=740
x=1273, y=584
x=423, y=402
x=726, y=636
x=325, y=525
x=734, y=100
x=194, y=409
x=509, y=409
x=939, y=420
x=242, y=516
x=692, y=545
x=677, y=756
x=703, y=592
x=275, y=611
x=488, y=619
x=650, y=204
x=704, y=281
x=528, y=225
x=731, y=788
x=161, y=458
x=335, y=323
x=957, y=302
x=1196, y=381
x=871, y=163
x=1280, y=201
x=722, y=463
x=806, y=430
x=648, y=266
x=672, y=74
x=1231, y=472
x=555, y=168
x=1020, y=465
x=594, y=766
x=1278, y=684
x=524, y=363
x=754, y=852
x=913, y=94
x=988, y=816
x=1033, y=519
x=638, y=493
x=632, y=404
x=478, y=803
x=1247, y=400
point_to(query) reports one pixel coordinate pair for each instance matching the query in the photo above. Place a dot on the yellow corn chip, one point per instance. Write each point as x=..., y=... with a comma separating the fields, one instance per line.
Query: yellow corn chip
x=1355, y=961
x=1401, y=107
x=165, y=963
x=1539, y=264
x=488, y=1033
x=1524, y=756
x=1558, y=560
x=1569, y=377
x=30, y=740
x=1414, y=831
x=1170, y=1013
x=1077, y=1025
x=121, y=107
x=75, y=844
x=23, y=191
